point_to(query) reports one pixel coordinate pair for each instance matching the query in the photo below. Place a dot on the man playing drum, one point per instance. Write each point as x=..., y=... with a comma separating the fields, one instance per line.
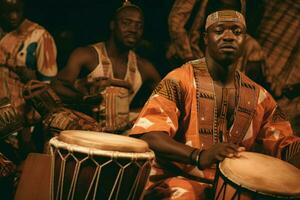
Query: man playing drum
x=206, y=111
x=105, y=64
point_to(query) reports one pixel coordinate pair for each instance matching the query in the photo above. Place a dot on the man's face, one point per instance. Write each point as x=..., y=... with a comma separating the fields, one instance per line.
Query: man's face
x=11, y=14
x=128, y=27
x=225, y=41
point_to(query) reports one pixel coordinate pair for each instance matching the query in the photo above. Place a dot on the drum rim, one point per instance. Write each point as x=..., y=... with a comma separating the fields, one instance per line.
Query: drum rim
x=103, y=140
x=251, y=189
x=55, y=143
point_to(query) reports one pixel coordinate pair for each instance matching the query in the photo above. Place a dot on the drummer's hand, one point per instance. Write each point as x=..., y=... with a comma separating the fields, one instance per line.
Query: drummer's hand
x=159, y=190
x=219, y=152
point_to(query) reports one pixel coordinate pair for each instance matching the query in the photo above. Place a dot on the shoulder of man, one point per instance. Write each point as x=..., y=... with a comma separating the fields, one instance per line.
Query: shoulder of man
x=183, y=74
x=142, y=62
x=82, y=57
x=33, y=26
x=264, y=95
x=85, y=51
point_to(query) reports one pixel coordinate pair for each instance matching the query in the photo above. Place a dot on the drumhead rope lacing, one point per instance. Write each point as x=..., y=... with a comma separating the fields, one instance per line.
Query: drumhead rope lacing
x=83, y=170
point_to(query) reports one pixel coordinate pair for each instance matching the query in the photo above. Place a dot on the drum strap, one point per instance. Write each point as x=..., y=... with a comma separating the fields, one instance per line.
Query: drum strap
x=246, y=94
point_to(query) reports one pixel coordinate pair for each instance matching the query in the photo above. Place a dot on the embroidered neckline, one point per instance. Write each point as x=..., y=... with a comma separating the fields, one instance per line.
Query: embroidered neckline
x=244, y=106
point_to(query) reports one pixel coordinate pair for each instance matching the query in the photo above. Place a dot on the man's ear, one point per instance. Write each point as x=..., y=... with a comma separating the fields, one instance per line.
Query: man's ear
x=205, y=38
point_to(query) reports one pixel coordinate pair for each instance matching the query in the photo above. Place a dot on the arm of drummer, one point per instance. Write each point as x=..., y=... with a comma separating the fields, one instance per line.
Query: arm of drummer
x=276, y=134
x=82, y=57
x=166, y=147
x=158, y=123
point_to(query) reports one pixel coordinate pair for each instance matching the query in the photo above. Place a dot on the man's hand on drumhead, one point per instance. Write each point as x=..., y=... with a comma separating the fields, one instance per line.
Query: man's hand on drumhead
x=219, y=152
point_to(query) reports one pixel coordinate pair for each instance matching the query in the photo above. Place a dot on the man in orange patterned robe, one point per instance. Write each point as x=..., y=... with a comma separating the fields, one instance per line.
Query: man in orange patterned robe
x=206, y=111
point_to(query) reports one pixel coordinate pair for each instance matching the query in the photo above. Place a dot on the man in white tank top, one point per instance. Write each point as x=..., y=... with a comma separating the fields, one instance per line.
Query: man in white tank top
x=113, y=72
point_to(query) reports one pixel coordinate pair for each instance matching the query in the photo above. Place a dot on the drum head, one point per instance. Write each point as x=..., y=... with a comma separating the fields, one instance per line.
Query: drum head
x=103, y=141
x=262, y=173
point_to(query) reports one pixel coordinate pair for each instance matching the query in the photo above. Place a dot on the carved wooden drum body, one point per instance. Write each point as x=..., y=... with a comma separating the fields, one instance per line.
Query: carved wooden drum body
x=93, y=165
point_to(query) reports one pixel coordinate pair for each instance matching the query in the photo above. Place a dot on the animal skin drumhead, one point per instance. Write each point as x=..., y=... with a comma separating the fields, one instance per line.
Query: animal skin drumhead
x=262, y=173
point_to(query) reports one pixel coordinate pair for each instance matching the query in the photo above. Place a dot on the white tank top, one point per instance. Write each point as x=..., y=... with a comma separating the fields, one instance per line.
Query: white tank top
x=105, y=69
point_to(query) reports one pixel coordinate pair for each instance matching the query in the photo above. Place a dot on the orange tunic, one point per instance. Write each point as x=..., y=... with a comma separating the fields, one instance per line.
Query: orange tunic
x=172, y=109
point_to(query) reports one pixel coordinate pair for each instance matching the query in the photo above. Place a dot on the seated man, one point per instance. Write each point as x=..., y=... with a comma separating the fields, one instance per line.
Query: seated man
x=27, y=51
x=109, y=69
x=206, y=111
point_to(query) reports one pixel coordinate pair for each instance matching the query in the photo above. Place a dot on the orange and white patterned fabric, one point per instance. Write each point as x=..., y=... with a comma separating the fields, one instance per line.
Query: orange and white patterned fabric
x=29, y=46
x=172, y=109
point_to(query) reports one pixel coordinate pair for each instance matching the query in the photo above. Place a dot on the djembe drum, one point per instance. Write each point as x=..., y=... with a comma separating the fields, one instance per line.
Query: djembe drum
x=256, y=176
x=93, y=165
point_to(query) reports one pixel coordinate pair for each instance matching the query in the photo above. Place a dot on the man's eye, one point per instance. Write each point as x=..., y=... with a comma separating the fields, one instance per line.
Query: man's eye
x=237, y=31
x=219, y=31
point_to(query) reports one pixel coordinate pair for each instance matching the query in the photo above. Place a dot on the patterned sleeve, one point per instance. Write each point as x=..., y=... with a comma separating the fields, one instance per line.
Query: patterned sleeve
x=163, y=109
x=276, y=133
x=46, y=57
